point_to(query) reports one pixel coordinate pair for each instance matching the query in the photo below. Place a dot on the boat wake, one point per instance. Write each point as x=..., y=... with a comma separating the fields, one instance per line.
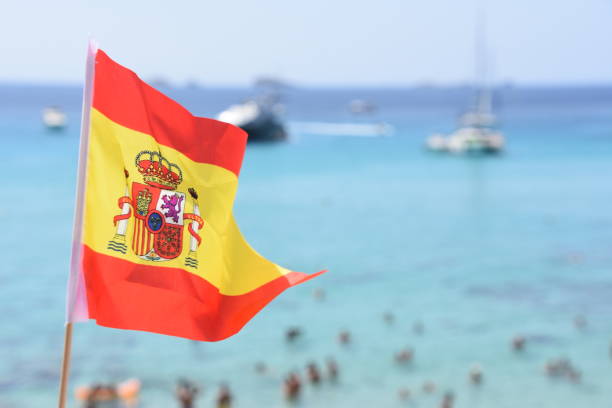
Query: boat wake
x=380, y=129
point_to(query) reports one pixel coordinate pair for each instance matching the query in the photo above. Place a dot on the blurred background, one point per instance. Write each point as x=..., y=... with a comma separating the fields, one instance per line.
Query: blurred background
x=448, y=161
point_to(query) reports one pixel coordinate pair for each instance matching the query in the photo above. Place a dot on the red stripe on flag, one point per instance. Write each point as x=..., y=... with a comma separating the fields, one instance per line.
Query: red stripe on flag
x=125, y=99
x=170, y=301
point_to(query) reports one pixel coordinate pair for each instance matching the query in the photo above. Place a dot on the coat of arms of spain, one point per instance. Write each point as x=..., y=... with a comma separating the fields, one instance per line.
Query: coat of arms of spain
x=159, y=213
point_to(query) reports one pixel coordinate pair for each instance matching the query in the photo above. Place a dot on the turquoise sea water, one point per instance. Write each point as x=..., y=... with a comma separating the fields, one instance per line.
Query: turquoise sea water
x=477, y=249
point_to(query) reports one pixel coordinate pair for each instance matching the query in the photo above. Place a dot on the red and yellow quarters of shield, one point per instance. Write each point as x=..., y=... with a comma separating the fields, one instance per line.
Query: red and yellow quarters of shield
x=159, y=248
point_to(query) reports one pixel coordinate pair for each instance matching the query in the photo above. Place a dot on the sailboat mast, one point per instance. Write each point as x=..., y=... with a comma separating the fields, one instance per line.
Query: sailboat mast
x=481, y=80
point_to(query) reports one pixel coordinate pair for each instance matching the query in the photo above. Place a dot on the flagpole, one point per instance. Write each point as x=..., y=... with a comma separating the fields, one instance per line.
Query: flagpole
x=76, y=302
x=65, y=365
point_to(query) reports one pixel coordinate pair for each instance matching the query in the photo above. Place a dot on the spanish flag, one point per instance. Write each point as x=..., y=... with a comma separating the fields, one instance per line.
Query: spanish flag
x=155, y=245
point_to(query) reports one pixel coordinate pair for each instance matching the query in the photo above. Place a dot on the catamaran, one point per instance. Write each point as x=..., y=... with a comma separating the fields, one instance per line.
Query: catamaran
x=477, y=132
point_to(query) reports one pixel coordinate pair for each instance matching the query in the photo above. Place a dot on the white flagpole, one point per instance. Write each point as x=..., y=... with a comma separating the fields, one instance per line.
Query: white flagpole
x=76, y=302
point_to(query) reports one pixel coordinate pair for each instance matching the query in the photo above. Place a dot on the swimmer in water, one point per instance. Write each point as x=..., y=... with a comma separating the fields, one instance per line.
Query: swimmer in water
x=332, y=369
x=314, y=376
x=110, y=395
x=344, y=337
x=518, y=343
x=580, y=322
x=292, y=387
x=224, y=397
x=562, y=368
x=319, y=294
x=429, y=387
x=574, y=376
x=293, y=333
x=260, y=367
x=475, y=374
x=129, y=391
x=403, y=394
x=557, y=368
x=186, y=393
x=448, y=400
x=101, y=394
x=389, y=318
x=404, y=356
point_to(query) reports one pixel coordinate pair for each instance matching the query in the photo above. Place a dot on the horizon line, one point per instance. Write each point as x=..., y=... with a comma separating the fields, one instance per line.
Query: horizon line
x=167, y=84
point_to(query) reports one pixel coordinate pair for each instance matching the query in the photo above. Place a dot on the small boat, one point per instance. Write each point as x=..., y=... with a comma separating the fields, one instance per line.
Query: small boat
x=258, y=119
x=361, y=106
x=54, y=118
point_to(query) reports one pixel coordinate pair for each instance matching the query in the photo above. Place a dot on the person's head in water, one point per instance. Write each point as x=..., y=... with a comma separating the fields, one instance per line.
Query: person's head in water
x=224, y=397
x=260, y=367
x=314, y=376
x=404, y=356
x=518, y=343
x=186, y=393
x=344, y=337
x=475, y=374
x=292, y=387
x=332, y=369
x=293, y=333
x=448, y=400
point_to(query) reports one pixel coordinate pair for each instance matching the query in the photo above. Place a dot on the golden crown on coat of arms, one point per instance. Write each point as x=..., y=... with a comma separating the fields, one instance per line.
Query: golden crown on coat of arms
x=157, y=171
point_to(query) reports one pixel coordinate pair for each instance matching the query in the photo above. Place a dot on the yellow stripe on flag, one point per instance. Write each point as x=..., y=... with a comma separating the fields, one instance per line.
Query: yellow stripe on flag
x=223, y=253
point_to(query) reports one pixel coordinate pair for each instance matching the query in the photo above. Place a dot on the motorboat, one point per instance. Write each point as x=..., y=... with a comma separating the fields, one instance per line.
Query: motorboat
x=258, y=119
x=54, y=118
x=361, y=106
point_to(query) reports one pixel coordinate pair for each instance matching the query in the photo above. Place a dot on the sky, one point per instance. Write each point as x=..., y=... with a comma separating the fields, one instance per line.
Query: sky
x=310, y=43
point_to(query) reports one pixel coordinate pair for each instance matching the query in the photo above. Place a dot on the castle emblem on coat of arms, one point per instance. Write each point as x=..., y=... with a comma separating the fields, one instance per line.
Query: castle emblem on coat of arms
x=158, y=213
